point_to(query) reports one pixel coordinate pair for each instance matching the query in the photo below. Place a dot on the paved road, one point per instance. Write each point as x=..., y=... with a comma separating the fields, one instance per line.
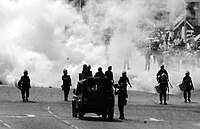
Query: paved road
x=57, y=115
x=48, y=111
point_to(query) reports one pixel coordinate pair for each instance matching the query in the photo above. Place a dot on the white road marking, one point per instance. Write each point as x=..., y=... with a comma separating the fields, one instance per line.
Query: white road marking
x=71, y=125
x=65, y=121
x=196, y=124
x=154, y=119
x=23, y=116
x=52, y=113
x=56, y=116
x=30, y=115
x=74, y=127
x=5, y=124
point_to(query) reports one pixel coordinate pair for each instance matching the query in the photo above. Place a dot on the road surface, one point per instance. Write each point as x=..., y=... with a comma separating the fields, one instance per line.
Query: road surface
x=142, y=112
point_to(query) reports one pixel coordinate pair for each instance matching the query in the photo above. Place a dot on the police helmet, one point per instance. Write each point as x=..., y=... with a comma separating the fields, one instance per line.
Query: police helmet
x=124, y=73
x=89, y=67
x=99, y=69
x=85, y=66
x=25, y=72
x=162, y=66
x=109, y=67
x=187, y=73
x=65, y=71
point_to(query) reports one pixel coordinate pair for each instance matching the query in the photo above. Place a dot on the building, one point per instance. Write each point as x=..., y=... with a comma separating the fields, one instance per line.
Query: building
x=188, y=23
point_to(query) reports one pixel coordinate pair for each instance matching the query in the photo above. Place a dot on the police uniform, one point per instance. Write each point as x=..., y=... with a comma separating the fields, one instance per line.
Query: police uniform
x=109, y=75
x=189, y=86
x=162, y=78
x=66, y=86
x=122, y=95
x=88, y=73
x=99, y=74
x=163, y=85
x=123, y=82
x=25, y=86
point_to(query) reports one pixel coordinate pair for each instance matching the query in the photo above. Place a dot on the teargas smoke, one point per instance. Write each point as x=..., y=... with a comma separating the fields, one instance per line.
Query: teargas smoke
x=47, y=36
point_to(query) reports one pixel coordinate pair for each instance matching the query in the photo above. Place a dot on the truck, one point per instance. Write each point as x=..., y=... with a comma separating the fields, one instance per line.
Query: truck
x=93, y=95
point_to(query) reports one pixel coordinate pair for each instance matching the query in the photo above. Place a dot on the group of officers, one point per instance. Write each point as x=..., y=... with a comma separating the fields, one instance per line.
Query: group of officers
x=162, y=78
x=86, y=73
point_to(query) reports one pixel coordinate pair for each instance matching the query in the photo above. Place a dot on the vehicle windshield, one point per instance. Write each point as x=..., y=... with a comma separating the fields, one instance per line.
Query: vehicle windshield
x=93, y=88
x=94, y=85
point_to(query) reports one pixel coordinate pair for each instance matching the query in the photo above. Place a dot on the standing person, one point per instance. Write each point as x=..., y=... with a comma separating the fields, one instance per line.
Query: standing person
x=162, y=78
x=123, y=80
x=122, y=95
x=187, y=81
x=83, y=74
x=24, y=84
x=100, y=73
x=88, y=72
x=109, y=74
x=66, y=84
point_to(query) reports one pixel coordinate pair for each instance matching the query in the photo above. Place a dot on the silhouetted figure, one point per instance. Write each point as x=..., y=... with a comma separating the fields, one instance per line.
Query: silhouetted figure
x=122, y=95
x=109, y=74
x=162, y=78
x=83, y=76
x=123, y=80
x=84, y=68
x=88, y=72
x=24, y=84
x=66, y=84
x=187, y=81
x=100, y=73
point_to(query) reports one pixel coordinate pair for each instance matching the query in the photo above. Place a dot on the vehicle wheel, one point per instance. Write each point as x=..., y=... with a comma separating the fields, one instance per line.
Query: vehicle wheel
x=74, y=109
x=104, y=115
x=80, y=114
x=110, y=113
x=74, y=112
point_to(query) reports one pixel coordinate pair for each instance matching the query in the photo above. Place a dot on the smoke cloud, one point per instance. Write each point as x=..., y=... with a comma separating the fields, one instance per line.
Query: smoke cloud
x=47, y=36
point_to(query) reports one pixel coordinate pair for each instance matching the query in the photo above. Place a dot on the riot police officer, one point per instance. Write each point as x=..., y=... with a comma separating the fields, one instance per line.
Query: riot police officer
x=162, y=78
x=123, y=80
x=122, y=96
x=24, y=84
x=88, y=72
x=109, y=74
x=83, y=74
x=100, y=73
x=66, y=84
x=187, y=81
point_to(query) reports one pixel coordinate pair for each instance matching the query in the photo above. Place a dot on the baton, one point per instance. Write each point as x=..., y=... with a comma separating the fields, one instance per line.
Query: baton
x=170, y=84
x=168, y=94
